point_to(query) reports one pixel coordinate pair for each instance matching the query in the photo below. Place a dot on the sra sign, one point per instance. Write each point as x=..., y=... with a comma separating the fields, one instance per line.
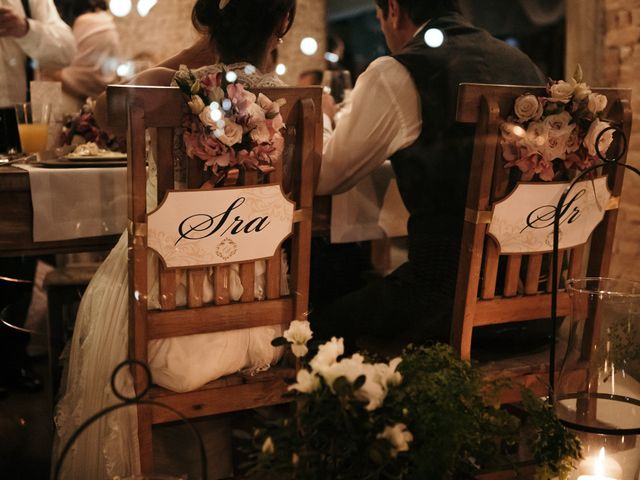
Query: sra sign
x=228, y=225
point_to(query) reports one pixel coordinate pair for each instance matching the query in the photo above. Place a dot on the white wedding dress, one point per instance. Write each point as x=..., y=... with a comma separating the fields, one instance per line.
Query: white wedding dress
x=99, y=343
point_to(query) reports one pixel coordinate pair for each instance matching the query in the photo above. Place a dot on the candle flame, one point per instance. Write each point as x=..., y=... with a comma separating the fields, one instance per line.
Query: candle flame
x=599, y=466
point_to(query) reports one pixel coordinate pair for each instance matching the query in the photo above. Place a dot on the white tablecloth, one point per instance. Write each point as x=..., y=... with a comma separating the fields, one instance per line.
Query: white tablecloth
x=73, y=203
x=371, y=210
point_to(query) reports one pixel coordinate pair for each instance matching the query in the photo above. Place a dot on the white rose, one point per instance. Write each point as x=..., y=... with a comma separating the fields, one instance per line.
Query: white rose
x=373, y=391
x=528, y=107
x=306, y=382
x=557, y=142
x=255, y=115
x=350, y=368
x=196, y=104
x=536, y=136
x=387, y=374
x=589, y=141
x=559, y=121
x=398, y=436
x=232, y=133
x=561, y=91
x=327, y=354
x=206, y=118
x=597, y=103
x=573, y=142
x=581, y=91
x=299, y=333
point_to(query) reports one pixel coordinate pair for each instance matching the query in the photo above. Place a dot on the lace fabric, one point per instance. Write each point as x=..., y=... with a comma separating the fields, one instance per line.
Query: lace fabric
x=100, y=340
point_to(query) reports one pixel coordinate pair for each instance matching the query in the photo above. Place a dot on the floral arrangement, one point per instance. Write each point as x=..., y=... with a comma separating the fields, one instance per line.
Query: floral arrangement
x=545, y=137
x=426, y=414
x=82, y=128
x=228, y=127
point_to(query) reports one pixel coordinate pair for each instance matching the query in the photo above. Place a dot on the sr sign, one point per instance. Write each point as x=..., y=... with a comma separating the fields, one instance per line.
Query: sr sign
x=228, y=225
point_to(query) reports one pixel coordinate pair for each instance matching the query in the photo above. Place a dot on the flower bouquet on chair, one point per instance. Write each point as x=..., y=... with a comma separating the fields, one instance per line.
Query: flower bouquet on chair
x=547, y=136
x=228, y=128
x=82, y=128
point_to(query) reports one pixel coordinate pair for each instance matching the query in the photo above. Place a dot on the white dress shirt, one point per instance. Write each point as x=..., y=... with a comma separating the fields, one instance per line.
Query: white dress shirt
x=49, y=41
x=385, y=117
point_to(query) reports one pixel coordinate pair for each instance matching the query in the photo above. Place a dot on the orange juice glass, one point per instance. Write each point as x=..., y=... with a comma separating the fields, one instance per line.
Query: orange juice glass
x=33, y=125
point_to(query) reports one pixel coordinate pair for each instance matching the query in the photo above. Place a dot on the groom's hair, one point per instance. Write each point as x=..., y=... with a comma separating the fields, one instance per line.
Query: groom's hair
x=420, y=11
x=240, y=32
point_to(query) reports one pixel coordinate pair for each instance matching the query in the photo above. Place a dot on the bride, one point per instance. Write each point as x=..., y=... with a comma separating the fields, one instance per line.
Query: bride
x=243, y=33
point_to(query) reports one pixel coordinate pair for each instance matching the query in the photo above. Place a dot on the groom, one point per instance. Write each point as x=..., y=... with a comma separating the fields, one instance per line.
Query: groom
x=403, y=108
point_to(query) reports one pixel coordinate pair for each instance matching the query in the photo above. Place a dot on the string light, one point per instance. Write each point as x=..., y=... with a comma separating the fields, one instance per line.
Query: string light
x=309, y=46
x=281, y=69
x=120, y=8
x=145, y=6
x=434, y=37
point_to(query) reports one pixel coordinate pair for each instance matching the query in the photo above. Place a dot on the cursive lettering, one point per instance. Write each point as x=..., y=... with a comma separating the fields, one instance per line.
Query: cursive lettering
x=202, y=225
x=544, y=216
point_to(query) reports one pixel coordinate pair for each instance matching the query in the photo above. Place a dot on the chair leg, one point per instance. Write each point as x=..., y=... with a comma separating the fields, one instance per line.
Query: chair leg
x=145, y=439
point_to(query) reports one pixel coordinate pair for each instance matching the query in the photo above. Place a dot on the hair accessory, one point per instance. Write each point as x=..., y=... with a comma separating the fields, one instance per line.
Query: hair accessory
x=223, y=3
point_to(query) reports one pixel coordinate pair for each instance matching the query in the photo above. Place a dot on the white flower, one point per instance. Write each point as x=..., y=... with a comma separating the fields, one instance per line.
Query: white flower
x=255, y=116
x=399, y=438
x=597, y=103
x=268, y=448
x=582, y=91
x=387, y=373
x=232, y=133
x=536, y=137
x=327, y=354
x=299, y=333
x=350, y=368
x=589, y=141
x=559, y=130
x=559, y=121
x=306, y=382
x=528, y=107
x=206, y=118
x=573, y=142
x=562, y=91
x=196, y=104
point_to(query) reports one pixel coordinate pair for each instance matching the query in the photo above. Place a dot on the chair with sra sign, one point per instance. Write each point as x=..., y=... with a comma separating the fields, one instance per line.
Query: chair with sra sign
x=231, y=249
x=504, y=281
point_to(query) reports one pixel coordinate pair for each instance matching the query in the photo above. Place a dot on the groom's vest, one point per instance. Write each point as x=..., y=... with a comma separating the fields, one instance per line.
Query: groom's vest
x=433, y=172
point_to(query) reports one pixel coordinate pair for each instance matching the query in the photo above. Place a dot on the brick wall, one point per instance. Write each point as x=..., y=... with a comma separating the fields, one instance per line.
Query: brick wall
x=167, y=29
x=604, y=36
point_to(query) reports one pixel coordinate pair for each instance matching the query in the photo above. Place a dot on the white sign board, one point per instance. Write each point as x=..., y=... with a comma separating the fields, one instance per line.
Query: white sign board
x=209, y=227
x=523, y=221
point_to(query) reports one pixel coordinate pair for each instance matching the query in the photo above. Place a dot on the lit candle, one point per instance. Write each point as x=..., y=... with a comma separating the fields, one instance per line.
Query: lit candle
x=600, y=468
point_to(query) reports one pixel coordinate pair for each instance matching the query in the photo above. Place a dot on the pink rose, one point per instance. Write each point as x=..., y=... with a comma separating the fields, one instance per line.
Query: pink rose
x=240, y=98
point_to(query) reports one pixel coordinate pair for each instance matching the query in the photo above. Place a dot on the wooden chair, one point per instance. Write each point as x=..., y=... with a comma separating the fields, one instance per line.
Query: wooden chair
x=522, y=294
x=161, y=108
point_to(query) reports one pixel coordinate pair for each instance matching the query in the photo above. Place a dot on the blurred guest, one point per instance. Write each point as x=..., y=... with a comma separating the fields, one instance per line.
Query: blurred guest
x=30, y=29
x=94, y=64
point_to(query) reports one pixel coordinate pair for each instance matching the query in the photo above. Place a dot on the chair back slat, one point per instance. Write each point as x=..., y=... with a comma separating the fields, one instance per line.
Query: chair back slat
x=248, y=269
x=532, y=277
x=517, y=286
x=512, y=276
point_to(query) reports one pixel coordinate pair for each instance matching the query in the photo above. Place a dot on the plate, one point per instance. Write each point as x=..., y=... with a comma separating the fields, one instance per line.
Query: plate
x=66, y=163
x=105, y=157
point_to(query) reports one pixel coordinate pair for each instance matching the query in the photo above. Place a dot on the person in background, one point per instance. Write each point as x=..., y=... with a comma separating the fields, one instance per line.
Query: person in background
x=310, y=77
x=404, y=109
x=29, y=29
x=39, y=34
x=95, y=62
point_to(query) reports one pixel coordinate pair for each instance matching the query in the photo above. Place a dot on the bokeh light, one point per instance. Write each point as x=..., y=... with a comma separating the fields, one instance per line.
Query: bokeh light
x=281, y=69
x=120, y=8
x=309, y=46
x=434, y=37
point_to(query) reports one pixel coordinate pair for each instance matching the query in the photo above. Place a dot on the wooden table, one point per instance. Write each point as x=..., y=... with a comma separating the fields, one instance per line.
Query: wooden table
x=16, y=222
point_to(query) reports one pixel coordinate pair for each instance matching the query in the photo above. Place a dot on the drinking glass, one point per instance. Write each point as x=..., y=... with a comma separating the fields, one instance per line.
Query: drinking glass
x=9, y=138
x=33, y=125
x=338, y=84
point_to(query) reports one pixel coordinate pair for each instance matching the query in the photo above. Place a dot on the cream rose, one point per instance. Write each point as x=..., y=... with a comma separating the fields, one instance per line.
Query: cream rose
x=559, y=121
x=231, y=134
x=299, y=333
x=196, y=104
x=589, y=141
x=581, y=91
x=306, y=382
x=597, y=103
x=327, y=354
x=209, y=117
x=398, y=436
x=561, y=91
x=528, y=107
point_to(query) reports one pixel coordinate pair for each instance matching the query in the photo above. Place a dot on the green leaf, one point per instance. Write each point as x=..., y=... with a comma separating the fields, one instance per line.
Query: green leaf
x=280, y=341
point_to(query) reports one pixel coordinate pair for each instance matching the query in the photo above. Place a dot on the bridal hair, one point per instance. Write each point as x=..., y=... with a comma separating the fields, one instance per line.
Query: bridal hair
x=240, y=32
x=420, y=11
